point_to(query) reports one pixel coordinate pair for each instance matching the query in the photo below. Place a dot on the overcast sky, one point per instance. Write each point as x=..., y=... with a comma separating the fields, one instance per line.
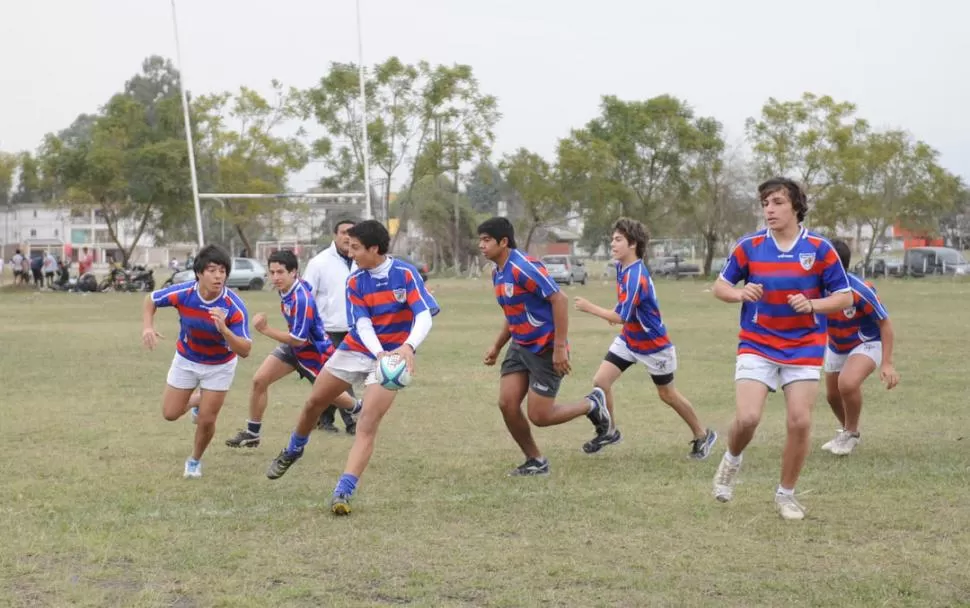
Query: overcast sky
x=903, y=62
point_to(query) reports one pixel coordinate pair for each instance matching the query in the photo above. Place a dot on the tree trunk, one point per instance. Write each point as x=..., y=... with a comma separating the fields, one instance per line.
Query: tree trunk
x=126, y=253
x=245, y=241
x=528, y=237
x=710, y=242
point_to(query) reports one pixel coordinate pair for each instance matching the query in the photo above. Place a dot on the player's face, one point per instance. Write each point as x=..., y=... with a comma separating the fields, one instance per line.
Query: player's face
x=281, y=278
x=620, y=247
x=778, y=210
x=342, y=239
x=365, y=258
x=489, y=247
x=212, y=278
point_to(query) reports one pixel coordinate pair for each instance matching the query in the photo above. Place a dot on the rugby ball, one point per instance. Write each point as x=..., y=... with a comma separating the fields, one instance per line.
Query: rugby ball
x=392, y=373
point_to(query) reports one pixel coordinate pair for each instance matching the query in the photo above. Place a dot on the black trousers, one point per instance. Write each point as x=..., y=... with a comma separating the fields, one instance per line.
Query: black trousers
x=329, y=414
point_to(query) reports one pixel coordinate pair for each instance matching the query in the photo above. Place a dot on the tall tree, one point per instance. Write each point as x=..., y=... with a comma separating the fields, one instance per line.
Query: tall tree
x=28, y=184
x=8, y=167
x=539, y=189
x=486, y=187
x=241, y=150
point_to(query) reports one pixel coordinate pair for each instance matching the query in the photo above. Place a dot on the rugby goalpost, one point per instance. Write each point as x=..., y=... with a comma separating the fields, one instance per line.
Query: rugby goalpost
x=198, y=196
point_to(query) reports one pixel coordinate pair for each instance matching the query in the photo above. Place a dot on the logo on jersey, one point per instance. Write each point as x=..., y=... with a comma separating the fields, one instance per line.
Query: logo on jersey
x=849, y=312
x=509, y=289
x=287, y=309
x=401, y=295
x=807, y=260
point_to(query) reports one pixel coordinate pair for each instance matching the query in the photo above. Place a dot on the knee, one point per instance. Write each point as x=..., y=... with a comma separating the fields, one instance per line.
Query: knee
x=833, y=395
x=540, y=418
x=849, y=385
x=799, y=422
x=667, y=394
x=171, y=415
x=748, y=420
x=507, y=404
x=260, y=384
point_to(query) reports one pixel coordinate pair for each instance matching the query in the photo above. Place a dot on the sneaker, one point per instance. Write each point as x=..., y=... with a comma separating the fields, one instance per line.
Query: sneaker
x=193, y=469
x=845, y=443
x=531, y=467
x=282, y=463
x=725, y=478
x=352, y=429
x=195, y=415
x=700, y=449
x=788, y=507
x=327, y=426
x=243, y=439
x=601, y=441
x=340, y=504
x=827, y=446
x=600, y=416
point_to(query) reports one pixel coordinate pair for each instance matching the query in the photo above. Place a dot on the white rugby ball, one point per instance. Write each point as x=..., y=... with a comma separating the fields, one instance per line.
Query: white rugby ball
x=392, y=373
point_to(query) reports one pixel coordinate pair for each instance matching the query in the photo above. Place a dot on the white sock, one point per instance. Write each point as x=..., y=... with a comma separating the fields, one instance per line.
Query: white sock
x=731, y=458
x=785, y=491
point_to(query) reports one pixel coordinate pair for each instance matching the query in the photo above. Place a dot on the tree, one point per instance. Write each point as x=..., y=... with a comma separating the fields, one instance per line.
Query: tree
x=434, y=208
x=629, y=161
x=486, y=187
x=888, y=177
x=8, y=166
x=29, y=184
x=240, y=150
x=539, y=189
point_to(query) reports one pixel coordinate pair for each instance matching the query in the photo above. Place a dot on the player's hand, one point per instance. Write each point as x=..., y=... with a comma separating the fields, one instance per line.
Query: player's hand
x=406, y=353
x=491, y=356
x=582, y=304
x=800, y=303
x=560, y=360
x=218, y=316
x=889, y=375
x=150, y=338
x=752, y=292
x=259, y=322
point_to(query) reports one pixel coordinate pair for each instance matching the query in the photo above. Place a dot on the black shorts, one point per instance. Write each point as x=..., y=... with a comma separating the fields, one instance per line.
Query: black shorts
x=286, y=354
x=543, y=379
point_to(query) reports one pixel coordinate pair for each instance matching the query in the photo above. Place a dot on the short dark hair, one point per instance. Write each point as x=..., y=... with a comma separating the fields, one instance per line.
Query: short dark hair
x=339, y=223
x=634, y=232
x=845, y=254
x=212, y=254
x=285, y=257
x=371, y=233
x=796, y=194
x=498, y=228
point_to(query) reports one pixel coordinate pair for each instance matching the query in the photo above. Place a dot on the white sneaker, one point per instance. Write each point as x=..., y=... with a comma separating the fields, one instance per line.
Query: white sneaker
x=193, y=470
x=788, y=507
x=725, y=478
x=827, y=446
x=845, y=443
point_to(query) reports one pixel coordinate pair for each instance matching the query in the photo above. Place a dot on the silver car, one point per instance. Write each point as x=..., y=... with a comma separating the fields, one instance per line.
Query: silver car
x=565, y=269
x=246, y=273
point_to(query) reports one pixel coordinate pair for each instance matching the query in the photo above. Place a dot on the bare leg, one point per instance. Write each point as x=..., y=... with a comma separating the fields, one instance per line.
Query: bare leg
x=512, y=391
x=799, y=400
x=672, y=397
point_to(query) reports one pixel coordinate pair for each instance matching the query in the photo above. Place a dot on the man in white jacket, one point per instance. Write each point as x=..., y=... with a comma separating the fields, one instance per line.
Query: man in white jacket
x=327, y=274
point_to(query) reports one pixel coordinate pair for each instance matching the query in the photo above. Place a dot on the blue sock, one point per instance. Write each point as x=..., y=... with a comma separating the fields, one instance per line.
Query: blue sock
x=195, y=410
x=346, y=485
x=296, y=443
x=357, y=407
x=253, y=427
x=193, y=461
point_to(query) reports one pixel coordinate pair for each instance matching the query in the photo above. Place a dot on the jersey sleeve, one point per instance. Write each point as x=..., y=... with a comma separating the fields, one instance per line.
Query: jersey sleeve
x=534, y=278
x=871, y=304
x=173, y=295
x=356, y=306
x=834, y=278
x=419, y=299
x=300, y=327
x=630, y=294
x=238, y=318
x=736, y=268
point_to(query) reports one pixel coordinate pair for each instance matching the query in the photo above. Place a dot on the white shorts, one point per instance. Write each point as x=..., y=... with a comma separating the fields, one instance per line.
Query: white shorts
x=185, y=374
x=834, y=362
x=352, y=367
x=771, y=373
x=660, y=363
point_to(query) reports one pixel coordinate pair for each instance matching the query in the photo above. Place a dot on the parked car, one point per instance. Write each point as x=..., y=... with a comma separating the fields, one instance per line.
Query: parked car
x=423, y=268
x=246, y=273
x=879, y=267
x=673, y=266
x=565, y=269
x=921, y=261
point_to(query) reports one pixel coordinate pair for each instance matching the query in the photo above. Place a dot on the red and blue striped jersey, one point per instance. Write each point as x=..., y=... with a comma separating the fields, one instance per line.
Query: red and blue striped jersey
x=199, y=340
x=860, y=322
x=523, y=288
x=770, y=327
x=303, y=320
x=390, y=295
x=643, y=329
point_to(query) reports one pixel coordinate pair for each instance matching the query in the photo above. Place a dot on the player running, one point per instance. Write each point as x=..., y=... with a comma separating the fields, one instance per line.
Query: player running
x=787, y=272
x=536, y=320
x=643, y=338
x=861, y=339
x=303, y=348
x=390, y=312
x=213, y=330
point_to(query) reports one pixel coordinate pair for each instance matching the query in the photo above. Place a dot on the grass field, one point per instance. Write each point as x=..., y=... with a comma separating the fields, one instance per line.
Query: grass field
x=95, y=512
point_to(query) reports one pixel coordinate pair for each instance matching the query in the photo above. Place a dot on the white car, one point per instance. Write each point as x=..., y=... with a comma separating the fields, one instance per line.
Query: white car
x=246, y=273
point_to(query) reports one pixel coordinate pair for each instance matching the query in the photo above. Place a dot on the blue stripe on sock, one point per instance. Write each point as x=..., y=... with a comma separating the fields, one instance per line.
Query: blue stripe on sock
x=296, y=443
x=346, y=485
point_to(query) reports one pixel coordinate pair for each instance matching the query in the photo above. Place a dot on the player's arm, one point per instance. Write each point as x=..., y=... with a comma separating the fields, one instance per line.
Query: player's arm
x=280, y=336
x=359, y=314
x=504, y=335
x=235, y=329
x=167, y=296
x=560, y=318
x=836, y=283
x=735, y=271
